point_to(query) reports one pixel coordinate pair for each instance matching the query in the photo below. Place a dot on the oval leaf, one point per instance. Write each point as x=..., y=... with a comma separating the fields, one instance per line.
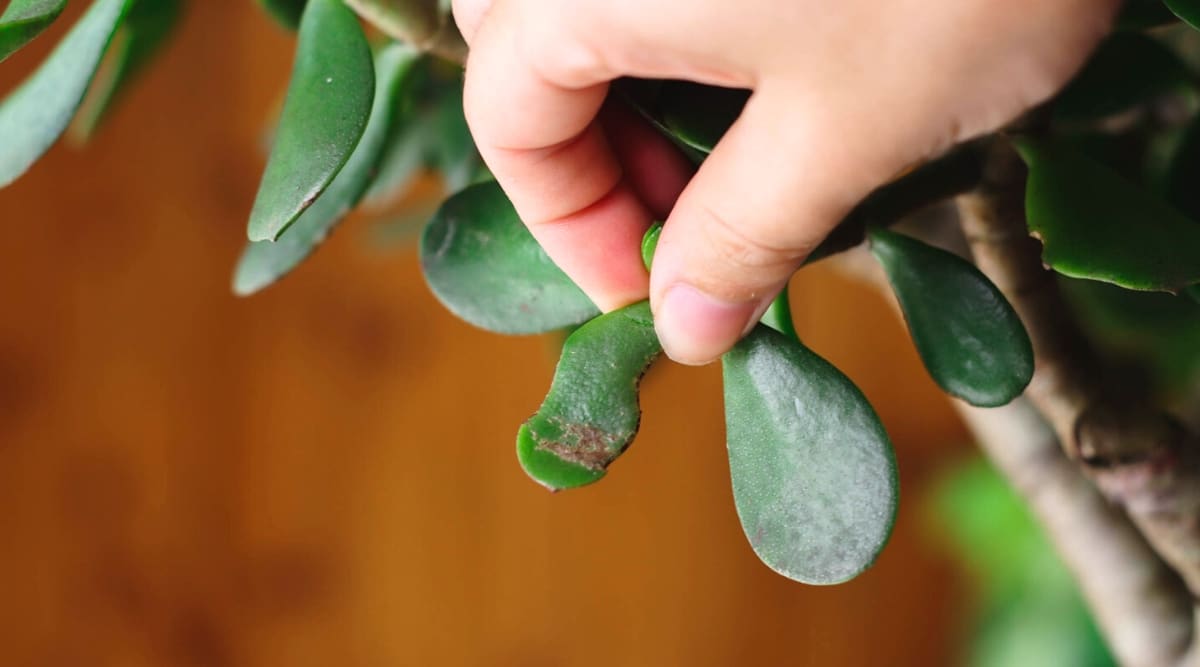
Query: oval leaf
x=264, y=262
x=591, y=413
x=285, y=12
x=142, y=34
x=485, y=267
x=327, y=108
x=25, y=19
x=972, y=342
x=1094, y=224
x=35, y=115
x=1126, y=70
x=814, y=476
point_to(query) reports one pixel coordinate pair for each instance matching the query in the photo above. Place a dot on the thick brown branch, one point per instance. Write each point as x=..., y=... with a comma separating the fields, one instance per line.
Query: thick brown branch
x=424, y=24
x=1139, y=602
x=1137, y=455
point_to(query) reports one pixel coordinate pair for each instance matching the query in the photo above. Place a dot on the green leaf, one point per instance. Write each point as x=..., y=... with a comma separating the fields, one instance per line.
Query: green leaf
x=1188, y=10
x=264, y=262
x=35, y=115
x=1126, y=70
x=972, y=342
x=591, y=413
x=142, y=34
x=699, y=115
x=24, y=20
x=1096, y=225
x=327, y=108
x=1194, y=292
x=814, y=476
x=285, y=12
x=650, y=243
x=485, y=267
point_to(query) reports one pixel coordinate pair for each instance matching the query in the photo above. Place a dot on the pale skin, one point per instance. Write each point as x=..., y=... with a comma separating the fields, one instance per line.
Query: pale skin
x=847, y=94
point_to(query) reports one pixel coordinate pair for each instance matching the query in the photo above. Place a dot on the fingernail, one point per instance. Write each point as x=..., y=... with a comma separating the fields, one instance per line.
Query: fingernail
x=696, y=328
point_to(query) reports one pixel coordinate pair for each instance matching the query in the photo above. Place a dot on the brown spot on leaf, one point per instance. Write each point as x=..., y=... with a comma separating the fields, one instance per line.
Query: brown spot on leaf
x=583, y=444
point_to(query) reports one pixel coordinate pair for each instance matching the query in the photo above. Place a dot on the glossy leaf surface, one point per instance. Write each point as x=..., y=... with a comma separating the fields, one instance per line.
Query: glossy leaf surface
x=25, y=19
x=486, y=268
x=327, y=108
x=35, y=115
x=286, y=12
x=1095, y=224
x=142, y=34
x=264, y=262
x=970, y=339
x=591, y=413
x=1126, y=70
x=814, y=476
x=1188, y=10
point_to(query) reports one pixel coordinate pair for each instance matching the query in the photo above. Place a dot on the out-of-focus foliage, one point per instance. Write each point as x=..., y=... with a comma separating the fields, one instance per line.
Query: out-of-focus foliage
x=1028, y=609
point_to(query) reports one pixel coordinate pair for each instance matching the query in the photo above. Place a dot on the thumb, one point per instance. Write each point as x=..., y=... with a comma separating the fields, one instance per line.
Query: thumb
x=774, y=186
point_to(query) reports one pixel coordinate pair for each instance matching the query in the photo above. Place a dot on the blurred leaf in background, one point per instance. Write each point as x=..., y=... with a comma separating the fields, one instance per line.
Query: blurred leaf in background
x=1029, y=612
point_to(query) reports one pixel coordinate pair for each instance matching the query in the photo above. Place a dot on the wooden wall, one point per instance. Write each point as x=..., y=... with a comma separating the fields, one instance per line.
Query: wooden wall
x=324, y=474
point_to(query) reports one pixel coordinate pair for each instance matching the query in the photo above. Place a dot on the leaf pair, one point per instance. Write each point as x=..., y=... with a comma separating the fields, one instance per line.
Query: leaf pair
x=37, y=113
x=264, y=262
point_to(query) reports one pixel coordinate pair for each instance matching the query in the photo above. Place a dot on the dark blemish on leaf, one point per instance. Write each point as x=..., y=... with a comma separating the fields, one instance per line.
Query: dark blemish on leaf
x=582, y=444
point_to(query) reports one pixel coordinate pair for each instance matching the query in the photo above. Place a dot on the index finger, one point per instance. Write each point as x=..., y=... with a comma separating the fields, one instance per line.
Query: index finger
x=535, y=126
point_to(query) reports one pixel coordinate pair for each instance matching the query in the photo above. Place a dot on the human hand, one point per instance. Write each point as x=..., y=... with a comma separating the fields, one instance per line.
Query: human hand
x=847, y=94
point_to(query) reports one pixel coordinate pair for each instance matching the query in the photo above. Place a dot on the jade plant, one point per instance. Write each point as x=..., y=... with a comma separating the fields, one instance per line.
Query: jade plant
x=1097, y=187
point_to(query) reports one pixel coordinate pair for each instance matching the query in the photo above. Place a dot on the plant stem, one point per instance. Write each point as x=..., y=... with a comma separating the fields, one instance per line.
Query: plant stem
x=1140, y=458
x=424, y=24
x=779, y=316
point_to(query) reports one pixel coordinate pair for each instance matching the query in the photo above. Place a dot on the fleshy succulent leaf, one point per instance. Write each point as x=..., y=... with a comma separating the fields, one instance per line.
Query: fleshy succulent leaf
x=328, y=104
x=814, y=475
x=264, y=262
x=486, y=268
x=141, y=36
x=25, y=19
x=591, y=414
x=1094, y=224
x=972, y=342
x=35, y=115
x=1127, y=69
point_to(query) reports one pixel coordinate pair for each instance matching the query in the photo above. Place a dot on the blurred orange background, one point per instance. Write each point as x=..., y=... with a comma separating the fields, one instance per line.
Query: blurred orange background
x=324, y=474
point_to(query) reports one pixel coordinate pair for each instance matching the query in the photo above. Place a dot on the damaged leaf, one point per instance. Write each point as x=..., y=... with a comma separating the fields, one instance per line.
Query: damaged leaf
x=814, y=475
x=970, y=339
x=591, y=413
x=486, y=268
x=1094, y=224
